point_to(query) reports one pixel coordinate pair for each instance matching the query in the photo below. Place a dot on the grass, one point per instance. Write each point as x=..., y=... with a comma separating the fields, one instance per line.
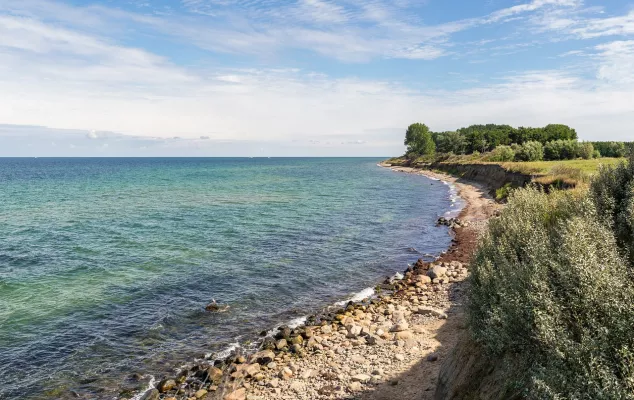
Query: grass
x=546, y=167
x=562, y=173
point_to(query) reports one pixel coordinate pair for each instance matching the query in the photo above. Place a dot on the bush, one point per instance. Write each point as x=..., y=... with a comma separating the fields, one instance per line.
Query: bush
x=561, y=150
x=551, y=293
x=611, y=149
x=501, y=154
x=530, y=151
x=612, y=190
x=585, y=150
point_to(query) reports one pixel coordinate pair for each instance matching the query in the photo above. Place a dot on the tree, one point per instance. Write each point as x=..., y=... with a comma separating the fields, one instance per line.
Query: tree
x=449, y=142
x=418, y=140
x=530, y=151
x=559, y=132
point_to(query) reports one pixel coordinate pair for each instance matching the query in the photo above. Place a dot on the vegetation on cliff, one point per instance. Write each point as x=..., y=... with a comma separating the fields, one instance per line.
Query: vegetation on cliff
x=552, y=291
x=500, y=143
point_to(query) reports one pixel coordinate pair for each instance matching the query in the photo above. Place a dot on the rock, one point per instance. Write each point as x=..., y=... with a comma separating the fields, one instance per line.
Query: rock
x=240, y=394
x=327, y=390
x=271, y=365
x=286, y=373
x=166, y=385
x=273, y=383
x=424, y=310
x=152, y=394
x=307, y=374
x=214, y=374
x=280, y=344
x=251, y=369
x=400, y=327
x=297, y=340
x=264, y=357
x=423, y=279
x=354, y=330
x=403, y=335
x=436, y=272
x=355, y=387
x=326, y=329
x=432, y=357
x=297, y=386
x=399, y=357
x=363, y=378
x=358, y=359
x=284, y=332
x=200, y=394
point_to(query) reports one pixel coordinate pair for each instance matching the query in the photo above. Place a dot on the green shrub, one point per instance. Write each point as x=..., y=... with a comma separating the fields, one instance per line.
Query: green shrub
x=530, y=151
x=612, y=190
x=585, y=150
x=561, y=150
x=501, y=154
x=550, y=291
x=503, y=192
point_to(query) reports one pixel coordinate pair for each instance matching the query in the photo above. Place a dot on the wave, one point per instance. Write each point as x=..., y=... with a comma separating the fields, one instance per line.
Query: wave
x=150, y=386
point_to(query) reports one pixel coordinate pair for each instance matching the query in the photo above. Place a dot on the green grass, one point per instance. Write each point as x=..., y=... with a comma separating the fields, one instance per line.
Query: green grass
x=562, y=173
x=546, y=167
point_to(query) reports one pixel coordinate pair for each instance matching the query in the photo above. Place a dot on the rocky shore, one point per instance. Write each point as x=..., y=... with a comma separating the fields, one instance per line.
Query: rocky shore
x=385, y=347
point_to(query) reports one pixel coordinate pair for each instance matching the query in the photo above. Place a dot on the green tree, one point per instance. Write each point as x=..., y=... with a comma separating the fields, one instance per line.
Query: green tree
x=418, y=139
x=559, y=132
x=530, y=151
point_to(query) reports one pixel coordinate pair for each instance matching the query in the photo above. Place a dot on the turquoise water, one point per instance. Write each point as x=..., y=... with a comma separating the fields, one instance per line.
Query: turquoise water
x=106, y=265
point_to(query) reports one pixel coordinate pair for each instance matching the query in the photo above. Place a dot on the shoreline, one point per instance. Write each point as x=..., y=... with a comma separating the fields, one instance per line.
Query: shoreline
x=386, y=346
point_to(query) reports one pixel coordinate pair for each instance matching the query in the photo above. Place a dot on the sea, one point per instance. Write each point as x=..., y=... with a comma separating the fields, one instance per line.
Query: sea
x=107, y=264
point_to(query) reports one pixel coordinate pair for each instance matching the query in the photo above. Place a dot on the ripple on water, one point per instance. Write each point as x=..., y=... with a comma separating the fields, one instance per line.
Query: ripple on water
x=106, y=264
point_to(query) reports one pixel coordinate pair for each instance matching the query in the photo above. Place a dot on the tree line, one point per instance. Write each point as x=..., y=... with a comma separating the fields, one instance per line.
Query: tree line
x=506, y=143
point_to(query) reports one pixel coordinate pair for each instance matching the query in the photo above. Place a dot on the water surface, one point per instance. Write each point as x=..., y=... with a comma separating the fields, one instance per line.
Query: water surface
x=106, y=264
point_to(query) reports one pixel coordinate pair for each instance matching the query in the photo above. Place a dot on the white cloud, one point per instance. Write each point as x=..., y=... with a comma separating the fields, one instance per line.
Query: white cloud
x=68, y=75
x=617, y=62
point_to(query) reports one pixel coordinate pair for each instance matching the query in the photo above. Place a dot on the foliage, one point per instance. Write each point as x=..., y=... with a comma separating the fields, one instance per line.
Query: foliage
x=418, y=140
x=585, y=150
x=561, y=150
x=503, y=192
x=550, y=290
x=449, y=142
x=501, y=154
x=530, y=151
x=610, y=149
x=613, y=193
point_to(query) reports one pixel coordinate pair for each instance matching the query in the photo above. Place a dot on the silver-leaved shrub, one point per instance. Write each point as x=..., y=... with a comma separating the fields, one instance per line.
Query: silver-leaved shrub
x=552, y=298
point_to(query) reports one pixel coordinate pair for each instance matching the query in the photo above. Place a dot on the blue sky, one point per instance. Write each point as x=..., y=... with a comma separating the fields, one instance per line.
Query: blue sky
x=304, y=77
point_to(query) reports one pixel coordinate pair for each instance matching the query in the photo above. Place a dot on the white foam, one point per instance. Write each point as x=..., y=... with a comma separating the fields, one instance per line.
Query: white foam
x=149, y=386
x=362, y=295
x=224, y=353
x=294, y=323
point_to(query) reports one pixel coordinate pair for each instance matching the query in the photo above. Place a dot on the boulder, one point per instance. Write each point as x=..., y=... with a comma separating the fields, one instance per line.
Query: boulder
x=280, y=344
x=286, y=373
x=166, y=385
x=363, y=378
x=430, y=311
x=214, y=374
x=240, y=394
x=436, y=272
x=264, y=357
x=400, y=327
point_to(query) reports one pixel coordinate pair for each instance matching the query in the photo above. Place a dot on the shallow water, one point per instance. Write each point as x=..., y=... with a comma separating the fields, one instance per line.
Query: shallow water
x=106, y=265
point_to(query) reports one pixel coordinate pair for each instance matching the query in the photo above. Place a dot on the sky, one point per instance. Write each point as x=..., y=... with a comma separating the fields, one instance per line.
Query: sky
x=304, y=77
